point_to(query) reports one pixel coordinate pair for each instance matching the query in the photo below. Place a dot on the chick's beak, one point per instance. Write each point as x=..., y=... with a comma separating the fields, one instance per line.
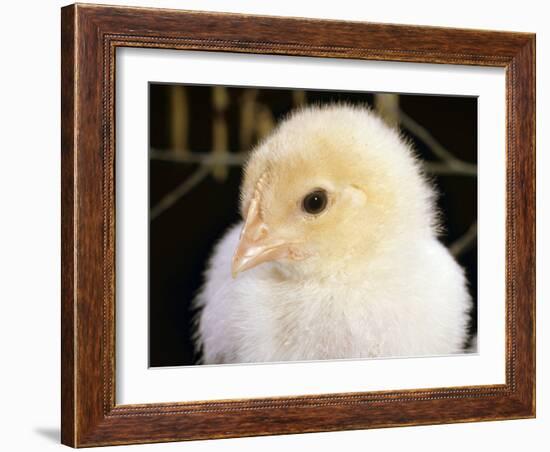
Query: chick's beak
x=257, y=244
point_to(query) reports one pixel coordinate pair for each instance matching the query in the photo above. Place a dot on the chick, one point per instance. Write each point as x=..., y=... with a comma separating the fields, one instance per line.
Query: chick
x=337, y=256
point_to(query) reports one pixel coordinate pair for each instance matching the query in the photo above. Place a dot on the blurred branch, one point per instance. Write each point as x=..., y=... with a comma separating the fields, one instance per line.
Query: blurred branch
x=206, y=161
x=248, y=117
x=239, y=159
x=448, y=165
x=444, y=169
x=451, y=165
x=387, y=106
x=179, y=118
x=299, y=98
x=265, y=122
x=465, y=242
x=220, y=133
x=221, y=158
x=181, y=190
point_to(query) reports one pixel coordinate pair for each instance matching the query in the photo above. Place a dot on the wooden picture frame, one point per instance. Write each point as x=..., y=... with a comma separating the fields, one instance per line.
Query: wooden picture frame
x=90, y=36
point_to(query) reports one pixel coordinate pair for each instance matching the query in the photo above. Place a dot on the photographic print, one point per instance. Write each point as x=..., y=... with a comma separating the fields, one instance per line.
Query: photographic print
x=304, y=225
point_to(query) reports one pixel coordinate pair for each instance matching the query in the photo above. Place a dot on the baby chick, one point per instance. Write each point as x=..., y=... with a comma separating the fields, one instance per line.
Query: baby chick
x=337, y=256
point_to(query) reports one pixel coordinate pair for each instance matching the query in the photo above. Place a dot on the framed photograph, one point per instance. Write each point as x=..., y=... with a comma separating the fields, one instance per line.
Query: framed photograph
x=283, y=225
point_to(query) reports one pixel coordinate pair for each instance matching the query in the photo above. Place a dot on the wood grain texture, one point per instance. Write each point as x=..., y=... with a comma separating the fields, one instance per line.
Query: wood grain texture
x=68, y=311
x=90, y=36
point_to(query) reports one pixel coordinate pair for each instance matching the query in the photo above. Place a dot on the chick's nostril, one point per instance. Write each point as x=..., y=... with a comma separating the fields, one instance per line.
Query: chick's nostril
x=260, y=233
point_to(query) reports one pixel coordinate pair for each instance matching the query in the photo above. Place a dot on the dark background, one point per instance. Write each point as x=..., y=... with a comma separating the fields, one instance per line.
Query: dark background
x=187, y=123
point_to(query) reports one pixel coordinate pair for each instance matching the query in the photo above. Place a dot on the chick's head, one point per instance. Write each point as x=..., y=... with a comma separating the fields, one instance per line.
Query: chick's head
x=331, y=187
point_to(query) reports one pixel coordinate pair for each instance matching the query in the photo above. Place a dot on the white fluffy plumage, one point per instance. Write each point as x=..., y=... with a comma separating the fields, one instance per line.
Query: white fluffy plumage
x=365, y=277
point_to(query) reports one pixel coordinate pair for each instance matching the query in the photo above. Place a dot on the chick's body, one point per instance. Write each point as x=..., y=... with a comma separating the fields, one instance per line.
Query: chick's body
x=337, y=256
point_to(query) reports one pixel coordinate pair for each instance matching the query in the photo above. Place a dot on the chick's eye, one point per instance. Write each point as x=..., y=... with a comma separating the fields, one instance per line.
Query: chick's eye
x=315, y=202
